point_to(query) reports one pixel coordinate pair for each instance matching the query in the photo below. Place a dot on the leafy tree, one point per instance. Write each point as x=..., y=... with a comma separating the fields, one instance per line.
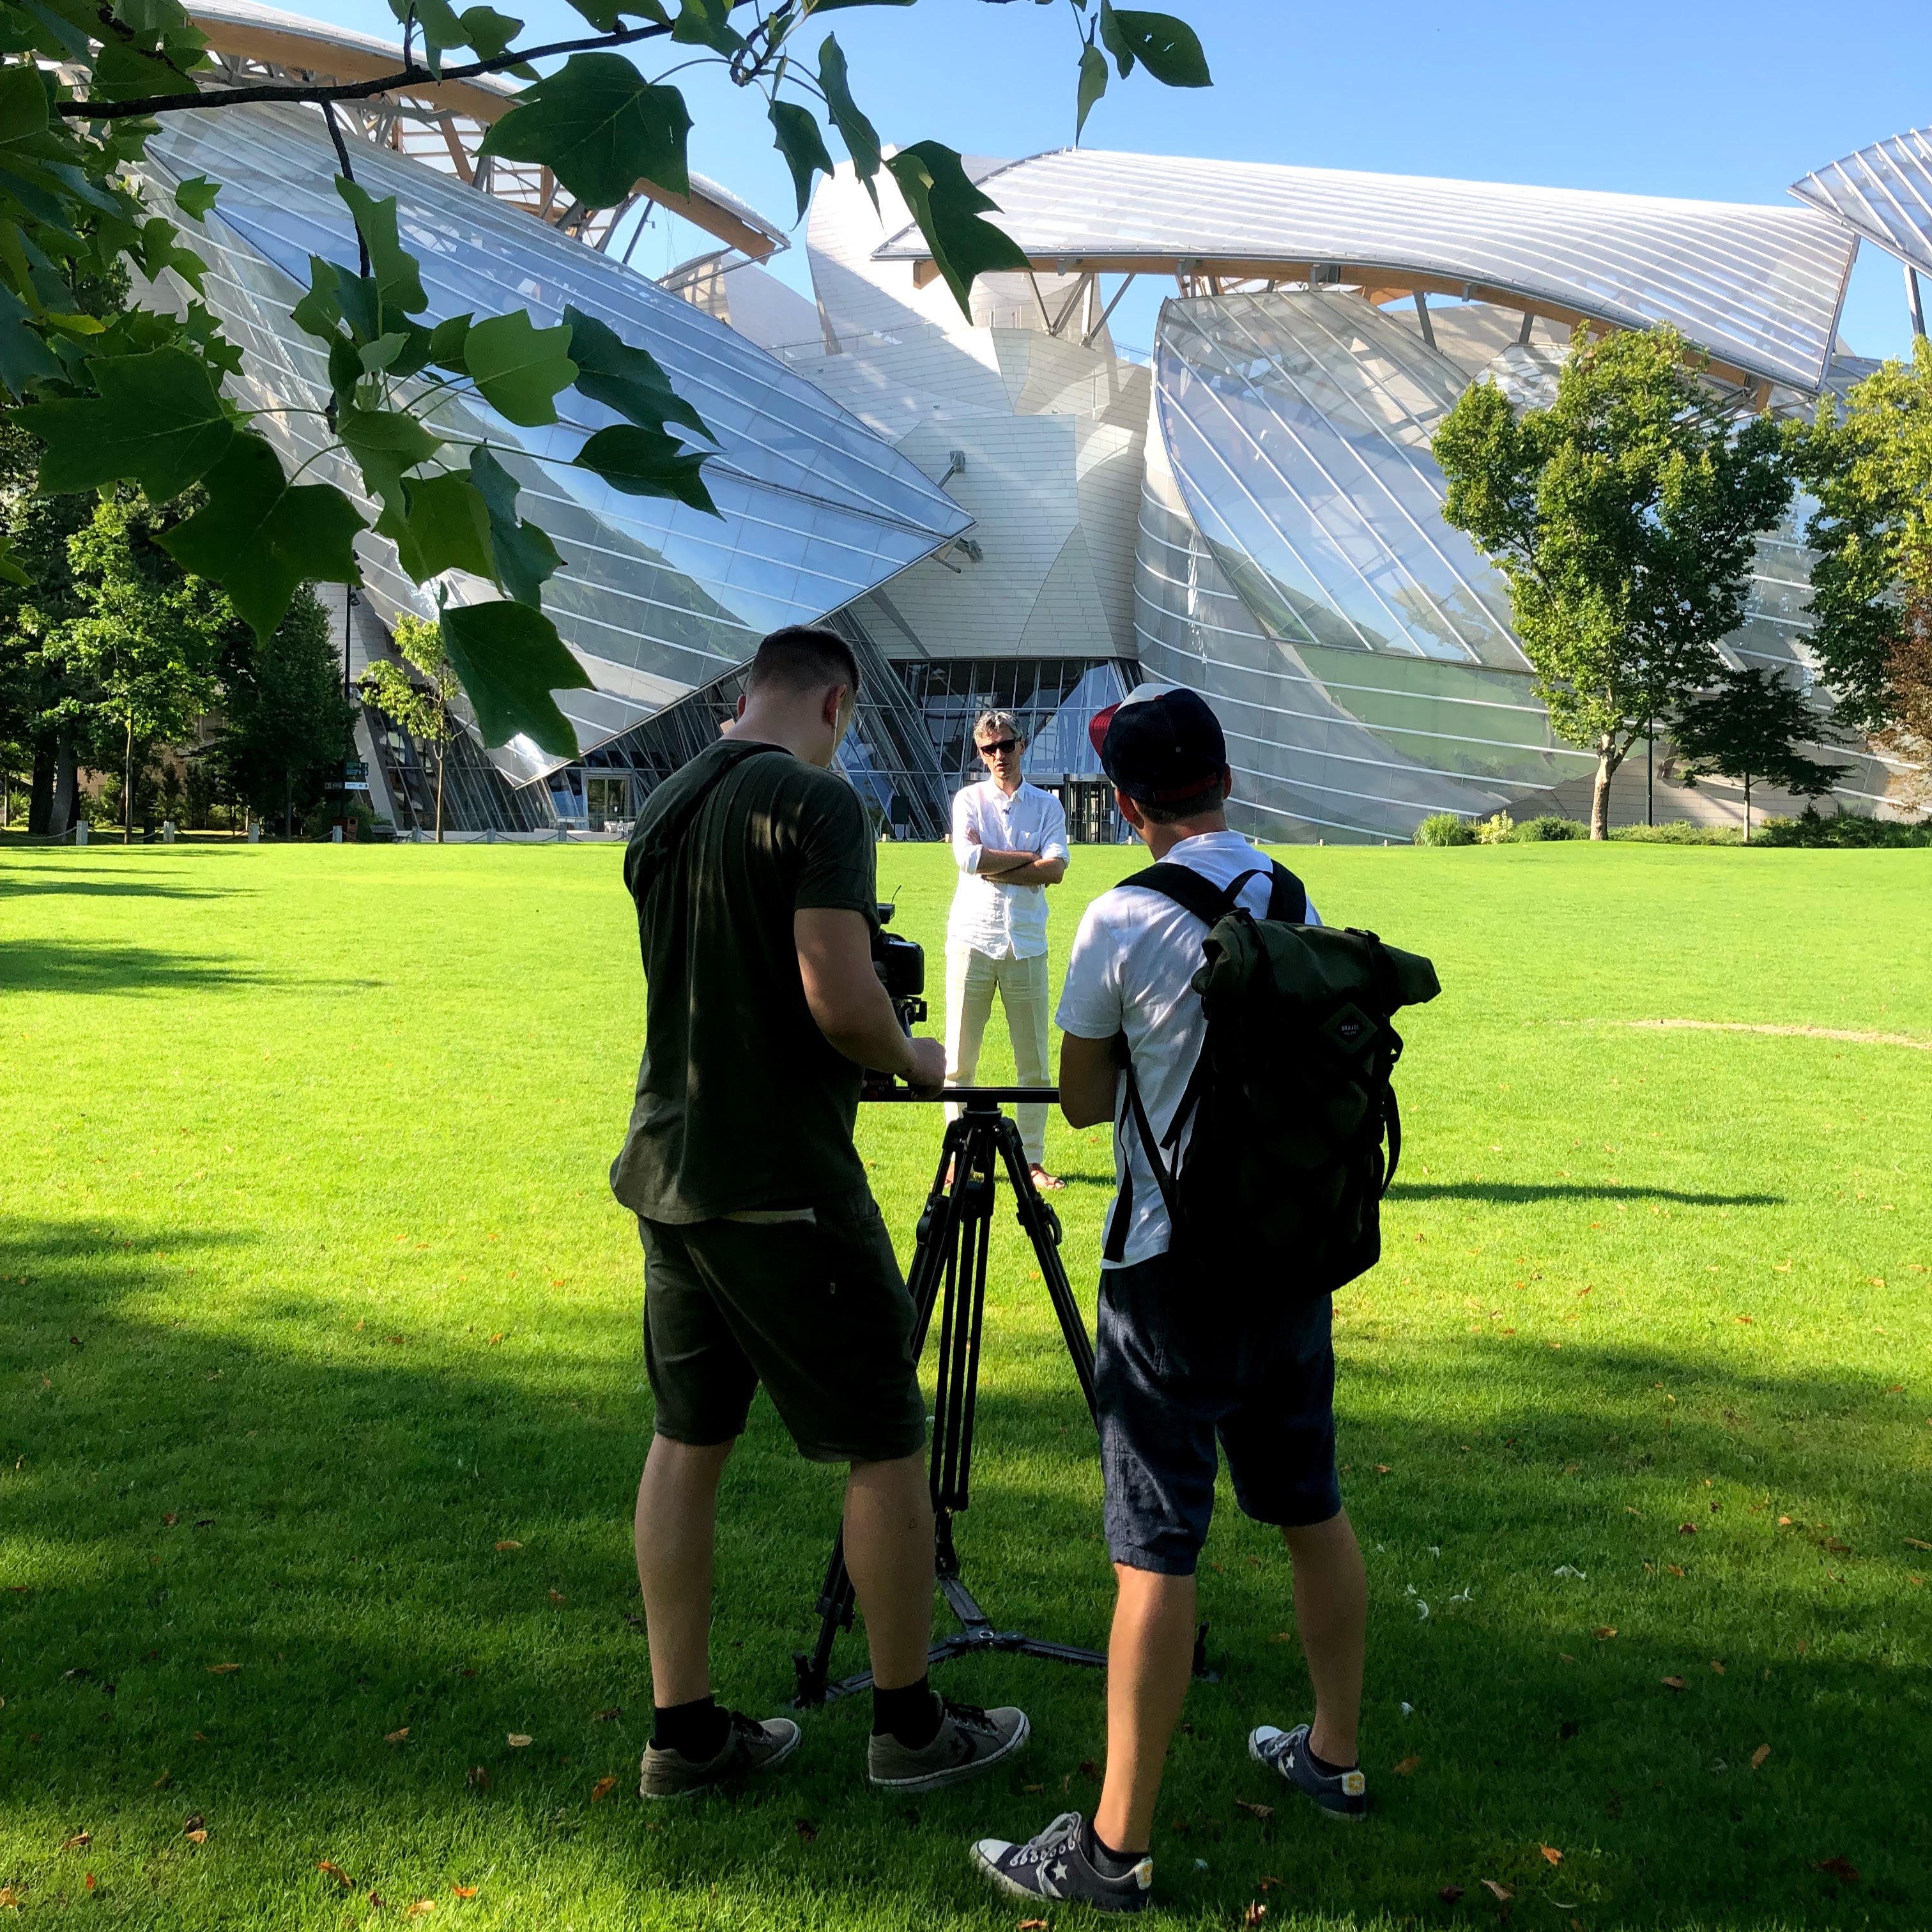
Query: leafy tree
x=138, y=397
x=1624, y=519
x=287, y=719
x=1747, y=725
x=421, y=710
x=142, y=649
x=1870, y=469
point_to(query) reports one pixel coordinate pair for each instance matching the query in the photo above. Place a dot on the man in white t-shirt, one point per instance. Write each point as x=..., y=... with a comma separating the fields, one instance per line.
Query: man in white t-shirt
x=1178, y=1365
x=1009, y=843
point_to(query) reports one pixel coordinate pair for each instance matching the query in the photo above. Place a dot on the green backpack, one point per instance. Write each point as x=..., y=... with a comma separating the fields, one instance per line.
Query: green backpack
x=1290, y=1101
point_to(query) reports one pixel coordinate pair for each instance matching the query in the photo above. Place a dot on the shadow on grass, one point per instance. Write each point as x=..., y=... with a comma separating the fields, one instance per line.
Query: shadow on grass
x=414, y=1549
x=1520, y=1193
x=42, y=966
x=17, y=887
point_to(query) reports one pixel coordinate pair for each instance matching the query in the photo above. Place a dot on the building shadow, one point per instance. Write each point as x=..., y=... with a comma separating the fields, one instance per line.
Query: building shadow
x=1521, y=1193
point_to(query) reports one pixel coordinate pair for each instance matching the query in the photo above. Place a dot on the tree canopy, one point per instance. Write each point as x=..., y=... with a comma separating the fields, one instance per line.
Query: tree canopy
x=1624, y=518
x=139, y=396
x=1747, y=726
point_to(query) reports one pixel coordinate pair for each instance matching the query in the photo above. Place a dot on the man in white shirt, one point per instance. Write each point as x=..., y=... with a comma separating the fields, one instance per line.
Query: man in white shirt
x=1009, y=843
x=1180, y=1360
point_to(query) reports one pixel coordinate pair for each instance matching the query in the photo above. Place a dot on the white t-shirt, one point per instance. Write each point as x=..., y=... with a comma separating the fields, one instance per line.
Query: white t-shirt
x=1130, y=972
x=1002, y=922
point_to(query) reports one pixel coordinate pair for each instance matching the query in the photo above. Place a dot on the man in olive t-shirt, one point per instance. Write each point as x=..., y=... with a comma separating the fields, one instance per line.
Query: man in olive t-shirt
x=765, y=1259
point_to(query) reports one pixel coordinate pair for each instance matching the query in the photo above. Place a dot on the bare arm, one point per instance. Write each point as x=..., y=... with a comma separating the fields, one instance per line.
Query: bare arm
x=852, y=1010
x=1089, y=1080
x=1021, y=868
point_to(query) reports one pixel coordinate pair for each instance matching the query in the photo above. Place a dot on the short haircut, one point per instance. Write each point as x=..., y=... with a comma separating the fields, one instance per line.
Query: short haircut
x=1208, y=799
x=1000, y=723
x=801, y=657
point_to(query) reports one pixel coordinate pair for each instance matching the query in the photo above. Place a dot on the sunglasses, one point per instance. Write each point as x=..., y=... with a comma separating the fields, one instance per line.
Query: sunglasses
x=998, y=746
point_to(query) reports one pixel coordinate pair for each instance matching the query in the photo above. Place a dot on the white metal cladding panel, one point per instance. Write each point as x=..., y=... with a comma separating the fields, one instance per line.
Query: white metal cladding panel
x=1758, y=287
x=1884, y=192
x=655, y=597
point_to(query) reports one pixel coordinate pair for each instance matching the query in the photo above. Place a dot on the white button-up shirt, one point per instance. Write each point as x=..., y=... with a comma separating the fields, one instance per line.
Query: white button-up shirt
x=1002, y=922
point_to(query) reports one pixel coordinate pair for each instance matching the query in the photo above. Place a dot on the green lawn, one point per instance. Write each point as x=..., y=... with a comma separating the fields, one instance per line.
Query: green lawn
x=322, y=1400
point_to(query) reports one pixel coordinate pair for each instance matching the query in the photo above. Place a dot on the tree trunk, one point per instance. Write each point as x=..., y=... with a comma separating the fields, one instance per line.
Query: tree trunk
x=128, y=788
x=40, y=796
x=1747, y=808
x=1608, y=759
x=64, y=808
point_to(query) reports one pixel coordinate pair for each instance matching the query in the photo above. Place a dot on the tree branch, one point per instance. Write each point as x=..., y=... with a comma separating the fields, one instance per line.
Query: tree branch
x=413, y=79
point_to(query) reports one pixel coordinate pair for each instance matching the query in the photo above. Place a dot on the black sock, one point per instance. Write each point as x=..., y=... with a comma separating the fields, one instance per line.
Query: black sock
x=696, y=1731
x=1322, y=1765
x=911, y=1713
x=1107, y=1862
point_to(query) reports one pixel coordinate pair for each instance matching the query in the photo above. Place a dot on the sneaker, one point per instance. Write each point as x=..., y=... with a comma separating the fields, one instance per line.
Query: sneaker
x=1055, y=1866
x=751, y=1746
x=1343, y=1795
x=968, y=1742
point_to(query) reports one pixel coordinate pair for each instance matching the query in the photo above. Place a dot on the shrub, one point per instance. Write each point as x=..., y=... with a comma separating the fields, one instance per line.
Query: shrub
x=1840, y=830
x=1678, y=832
x=1497, y=831
x=1445, y=828
x=1551, y=826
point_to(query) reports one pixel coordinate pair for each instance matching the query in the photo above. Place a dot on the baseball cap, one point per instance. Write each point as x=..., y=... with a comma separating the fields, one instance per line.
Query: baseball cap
x=1161, y=742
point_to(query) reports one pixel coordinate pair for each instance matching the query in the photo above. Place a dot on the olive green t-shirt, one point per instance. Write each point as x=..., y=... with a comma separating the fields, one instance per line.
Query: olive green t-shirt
x=742, y=1102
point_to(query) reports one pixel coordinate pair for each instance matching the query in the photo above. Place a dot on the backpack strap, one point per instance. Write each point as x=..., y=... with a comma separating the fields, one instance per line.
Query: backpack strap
x=1287, y=899
x=651, y=852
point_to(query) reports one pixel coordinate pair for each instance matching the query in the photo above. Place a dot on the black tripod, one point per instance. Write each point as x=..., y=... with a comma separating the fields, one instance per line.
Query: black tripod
x=948, y=1271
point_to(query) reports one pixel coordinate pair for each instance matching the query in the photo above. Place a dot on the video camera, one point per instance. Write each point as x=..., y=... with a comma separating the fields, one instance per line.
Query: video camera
x=900, y=964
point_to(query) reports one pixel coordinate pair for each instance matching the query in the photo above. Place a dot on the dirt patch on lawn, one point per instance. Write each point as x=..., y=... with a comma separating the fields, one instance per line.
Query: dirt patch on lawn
x=1804, y=1032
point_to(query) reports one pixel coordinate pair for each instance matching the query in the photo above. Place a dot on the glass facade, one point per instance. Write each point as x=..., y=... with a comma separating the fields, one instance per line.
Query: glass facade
x=1884, y=192
x=656, y=599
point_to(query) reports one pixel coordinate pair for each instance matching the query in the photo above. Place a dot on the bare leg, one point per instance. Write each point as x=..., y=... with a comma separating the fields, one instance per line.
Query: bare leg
x=1331, y=1612
x=1150, y=1657
x=677, y=1525
x=889, y=1553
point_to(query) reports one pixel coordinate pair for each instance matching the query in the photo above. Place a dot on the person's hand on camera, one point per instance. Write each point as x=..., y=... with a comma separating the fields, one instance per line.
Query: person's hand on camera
x=927, y=1074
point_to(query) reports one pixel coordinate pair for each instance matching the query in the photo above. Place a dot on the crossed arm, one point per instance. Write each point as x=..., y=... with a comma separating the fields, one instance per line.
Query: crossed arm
x=1017, y=869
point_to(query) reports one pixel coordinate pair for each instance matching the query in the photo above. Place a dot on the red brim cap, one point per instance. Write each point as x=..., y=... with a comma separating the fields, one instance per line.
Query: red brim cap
x=1096, y=730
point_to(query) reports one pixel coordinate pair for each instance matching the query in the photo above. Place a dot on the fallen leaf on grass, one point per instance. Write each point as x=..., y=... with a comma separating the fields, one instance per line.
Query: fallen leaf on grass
x=1840, y=1867
x=421, y=1907
x=1450, y=1894
x=518, y=1739
x=1282, y=1636
x=1088, y=1769
x=1550, y=1852
x=1675, y=1569
x=1913, y=1542
x=806, y=1830
x=1604, y=1632
x=1254, y=1914
x=1269, y=1882
x=79, y=1838
x=1759, y=1756
x=1408, y=1767
x=1033, y=1787
x=1382, y=1469
x=464, y=1890
x=558, y=1597
x=509, y=1543
x=1501, y=1892
x=1837, y=1548
x=222, y=1669
x=1687, y=1529
x=605, y=1716
x=9, y=1899
x=90, y=1881
x=1033, y=1925
x=170, y=1518
x=1674, y=1684
x=397, y=1737
x=159, y=1782
x=1717, y=1666
x=199, y=1836
x=336, y=1872
x=1264, y=1812
x=602, y=1788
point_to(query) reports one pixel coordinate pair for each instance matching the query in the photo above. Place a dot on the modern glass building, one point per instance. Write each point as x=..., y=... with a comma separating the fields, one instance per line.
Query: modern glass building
x=1014, y=509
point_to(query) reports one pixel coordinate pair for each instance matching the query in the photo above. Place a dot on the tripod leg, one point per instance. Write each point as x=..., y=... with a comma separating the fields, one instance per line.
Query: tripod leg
x=835, y=1614
x=1043, y=1229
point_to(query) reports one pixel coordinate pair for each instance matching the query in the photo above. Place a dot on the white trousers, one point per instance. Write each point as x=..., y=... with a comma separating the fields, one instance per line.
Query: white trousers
x=970, y=978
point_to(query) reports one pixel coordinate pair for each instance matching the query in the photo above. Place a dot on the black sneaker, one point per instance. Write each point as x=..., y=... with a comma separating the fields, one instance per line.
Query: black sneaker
x=968, y=1742
x=1055, y=1866
x=749, y=1746
x=1341, y=1794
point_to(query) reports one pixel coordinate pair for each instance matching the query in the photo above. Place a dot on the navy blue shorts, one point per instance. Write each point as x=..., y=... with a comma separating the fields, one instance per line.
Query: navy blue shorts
x=1173, y=1370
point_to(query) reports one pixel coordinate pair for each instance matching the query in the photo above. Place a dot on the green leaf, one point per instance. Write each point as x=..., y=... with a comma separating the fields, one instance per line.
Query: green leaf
x=259, y=539
x=320, y=312
x=1093, y=84
x=646, y=463
x=518, y=368
x=124, y=72
x=802, y=146
x=446, y=340
x=628, y=380
x=437, y=22
x=1169, y=49
x=398, y=280
x=526, y=557
x=196, y=195
x=706, y=23
x=833, y=6
x=948, y=209
x=510, y=659
x=10, y=572
x=23, y=103
x=157, y=419
x=601, y=126
x=24, y=357
x=489, y=31
x=860, y=136
x=157, y=253
x=377, y=355
x=385, y=442
x=444, y=526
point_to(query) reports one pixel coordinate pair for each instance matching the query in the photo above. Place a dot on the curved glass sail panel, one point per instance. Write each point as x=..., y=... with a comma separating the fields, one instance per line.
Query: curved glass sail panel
x=654, y=598
x=1298, y=428
x=1758, y=287
x=1884, y=192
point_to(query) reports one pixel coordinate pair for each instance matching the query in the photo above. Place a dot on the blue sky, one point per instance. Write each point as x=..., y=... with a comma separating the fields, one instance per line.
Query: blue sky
x=1725, y=102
